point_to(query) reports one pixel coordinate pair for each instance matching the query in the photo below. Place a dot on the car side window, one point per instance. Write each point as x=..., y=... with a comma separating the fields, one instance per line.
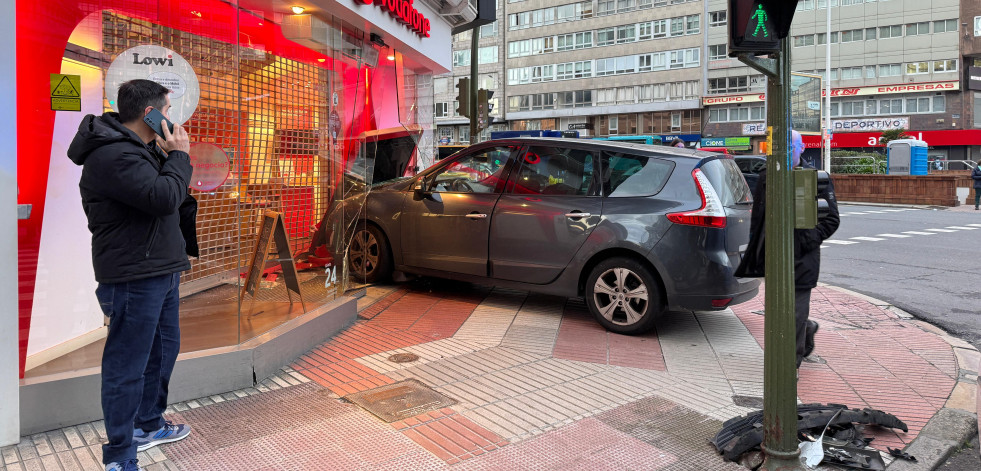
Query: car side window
x=479, y=172
x=633, y=175
x=546, y=170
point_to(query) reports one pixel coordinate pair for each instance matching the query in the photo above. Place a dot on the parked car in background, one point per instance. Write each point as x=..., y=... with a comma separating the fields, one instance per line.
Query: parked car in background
x=751, y=166
x=634, y=229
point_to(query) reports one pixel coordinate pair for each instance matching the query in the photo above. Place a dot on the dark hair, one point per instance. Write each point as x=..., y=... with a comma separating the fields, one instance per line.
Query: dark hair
x=676, y=141
x=135, y=95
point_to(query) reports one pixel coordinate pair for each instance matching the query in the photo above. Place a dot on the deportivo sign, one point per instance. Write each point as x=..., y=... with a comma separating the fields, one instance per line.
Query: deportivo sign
x=405, y=13
x=842, y=92
x=879, y=124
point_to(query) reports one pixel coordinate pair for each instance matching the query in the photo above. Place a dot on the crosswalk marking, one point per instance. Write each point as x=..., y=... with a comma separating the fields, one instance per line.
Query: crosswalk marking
x=874, y=212
x=840, y=242
x=868, y=239
x=940, y=230
x=963, y=228
x=920, y=233
x=974, y=225
x=895, y=236
x=895, y=210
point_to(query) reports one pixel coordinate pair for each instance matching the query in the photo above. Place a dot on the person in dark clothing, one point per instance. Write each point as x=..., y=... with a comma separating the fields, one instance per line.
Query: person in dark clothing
x=677, y=142
x=134, y=189
x=976, y=175
x=807, y=255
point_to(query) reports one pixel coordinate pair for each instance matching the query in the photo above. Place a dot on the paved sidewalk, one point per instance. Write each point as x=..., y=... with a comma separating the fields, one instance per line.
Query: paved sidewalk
x=539, y=385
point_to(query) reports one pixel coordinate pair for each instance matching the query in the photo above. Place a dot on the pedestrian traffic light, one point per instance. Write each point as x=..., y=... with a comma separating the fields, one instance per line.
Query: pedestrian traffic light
x=483, y=107
x=757, y=26
x=463, y=97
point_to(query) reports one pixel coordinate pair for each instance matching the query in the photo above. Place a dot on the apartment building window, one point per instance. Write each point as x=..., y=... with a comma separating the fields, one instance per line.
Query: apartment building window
x=822, y=37
x=442, y=109
x=724, y=114
x=645, y=31
x=543, y=101
x=626, y=64
x=462, y=36
x=488, y=81
x=729, y=85
x=949, y=65
x=675, y=121
x=486, y=55
x=916, y=29
x=851, y=35
x=576, y=99
x=488, y=30
x=805, y=40
x=693, y=24
x=626, y=34
x=870, y=71
x=626, y=95
x=614, y=124
x=805, y=5
x=944, y=26
x=894, y=31
x=890, y=70
x=584, y=39
x=464, y=132
x=645, y=93
x=890, y=105
x=605, y=36
x=606, y=96
x=845, y=3
x=605, y=7
x=913, y=68
x=851, y=73
x=644, y=4
x=605, y=67
x=869, y=34
x=446, y=132
x=626, y=5
x=677, y=26
x=461, y=58
x=717, y=18
x=542, y=73
x=717, y=52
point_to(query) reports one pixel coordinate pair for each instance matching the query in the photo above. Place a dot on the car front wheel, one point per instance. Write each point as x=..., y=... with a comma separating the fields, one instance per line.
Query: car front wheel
x=624, y=296
x=368, y=257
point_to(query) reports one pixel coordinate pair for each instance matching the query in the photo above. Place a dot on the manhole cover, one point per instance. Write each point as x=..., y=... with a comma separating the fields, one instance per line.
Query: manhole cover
x=401, y=400
x=752, y=402
x=403, y=358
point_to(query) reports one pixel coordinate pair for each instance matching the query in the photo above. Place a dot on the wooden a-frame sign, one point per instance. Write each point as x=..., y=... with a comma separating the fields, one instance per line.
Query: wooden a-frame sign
x=272, y=229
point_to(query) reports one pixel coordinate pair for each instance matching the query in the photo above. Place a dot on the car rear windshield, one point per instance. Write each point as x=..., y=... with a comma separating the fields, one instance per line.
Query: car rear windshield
x=728, y=181
x=633, y=175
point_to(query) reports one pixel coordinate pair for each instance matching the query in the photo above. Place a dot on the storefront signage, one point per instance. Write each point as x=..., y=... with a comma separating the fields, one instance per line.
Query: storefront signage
x=65, y=94
x=405, y=13
x=730, y=142
x=163, y=66
x=754, y=129
x=974, y=78
x=725, y=100
x=842, y=92
x=580, y=126
x=872, y=124
x=954, y=137
x=210, y=166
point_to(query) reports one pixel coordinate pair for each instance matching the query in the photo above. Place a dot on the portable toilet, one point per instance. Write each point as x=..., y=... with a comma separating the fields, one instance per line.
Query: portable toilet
x=906, y=157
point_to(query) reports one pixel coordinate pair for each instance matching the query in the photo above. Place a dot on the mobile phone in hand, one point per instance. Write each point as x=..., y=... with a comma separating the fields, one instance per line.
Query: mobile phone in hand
x=155, y=119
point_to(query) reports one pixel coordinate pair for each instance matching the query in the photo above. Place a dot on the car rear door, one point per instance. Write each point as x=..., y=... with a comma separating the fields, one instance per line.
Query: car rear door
x=445, y=227
x=734, y=194
x=550, y=206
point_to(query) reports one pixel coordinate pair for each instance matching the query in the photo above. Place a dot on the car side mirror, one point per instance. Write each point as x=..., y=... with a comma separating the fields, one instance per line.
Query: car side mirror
x=419, y=190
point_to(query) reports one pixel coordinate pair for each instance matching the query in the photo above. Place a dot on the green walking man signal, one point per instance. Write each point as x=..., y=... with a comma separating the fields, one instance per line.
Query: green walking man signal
x=760, y=17
x=757, y=26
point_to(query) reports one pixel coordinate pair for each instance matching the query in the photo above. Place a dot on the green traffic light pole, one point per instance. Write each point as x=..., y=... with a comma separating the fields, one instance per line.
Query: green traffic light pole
x=779, y=355
x=473, y=85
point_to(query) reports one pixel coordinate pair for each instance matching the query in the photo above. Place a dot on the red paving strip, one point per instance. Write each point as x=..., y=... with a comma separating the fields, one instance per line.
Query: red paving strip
x=581, y=338
x=444, y=319
x=378, y=306
x=449, y=435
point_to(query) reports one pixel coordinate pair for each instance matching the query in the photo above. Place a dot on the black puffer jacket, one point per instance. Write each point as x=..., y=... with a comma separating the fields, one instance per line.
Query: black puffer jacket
x=131, y=193
x=976, y=175
x=807, y=242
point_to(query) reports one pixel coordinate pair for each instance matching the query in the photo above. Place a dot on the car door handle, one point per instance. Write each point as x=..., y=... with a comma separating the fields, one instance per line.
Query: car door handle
x=477, y=216
x=577, y=215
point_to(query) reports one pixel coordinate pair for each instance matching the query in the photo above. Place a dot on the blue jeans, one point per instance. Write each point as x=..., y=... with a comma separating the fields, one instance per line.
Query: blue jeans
x=141, y=349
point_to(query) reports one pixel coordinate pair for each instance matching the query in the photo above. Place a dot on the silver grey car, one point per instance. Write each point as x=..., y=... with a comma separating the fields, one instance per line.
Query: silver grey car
x=634, y=229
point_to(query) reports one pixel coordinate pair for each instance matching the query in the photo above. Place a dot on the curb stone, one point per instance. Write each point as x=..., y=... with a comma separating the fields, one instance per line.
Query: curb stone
x=953, y=425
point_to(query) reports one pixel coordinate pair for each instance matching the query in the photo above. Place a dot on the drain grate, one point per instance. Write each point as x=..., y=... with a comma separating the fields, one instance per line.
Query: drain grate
x=400, y=400
x=753, y=402
x=403, y=358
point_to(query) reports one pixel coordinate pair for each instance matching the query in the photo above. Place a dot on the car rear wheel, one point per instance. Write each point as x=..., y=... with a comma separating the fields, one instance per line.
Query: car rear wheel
x=624, y=296
x=367, y=255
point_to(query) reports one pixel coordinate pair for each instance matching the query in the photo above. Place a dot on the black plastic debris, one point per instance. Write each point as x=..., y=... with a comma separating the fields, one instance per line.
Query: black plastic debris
x=853, y=457
x=742, y=434
x=901, y=454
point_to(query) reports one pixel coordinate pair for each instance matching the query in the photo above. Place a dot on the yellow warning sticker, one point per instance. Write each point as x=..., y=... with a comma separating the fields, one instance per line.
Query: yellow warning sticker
x=66, y=92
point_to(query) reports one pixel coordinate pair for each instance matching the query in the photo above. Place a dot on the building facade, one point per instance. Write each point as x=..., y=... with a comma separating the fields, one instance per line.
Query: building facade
x=288, y=110
x=894, y=64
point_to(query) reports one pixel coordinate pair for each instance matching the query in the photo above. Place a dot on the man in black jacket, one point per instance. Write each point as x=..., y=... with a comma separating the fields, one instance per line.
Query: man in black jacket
x=132, y=185
x=807, y=253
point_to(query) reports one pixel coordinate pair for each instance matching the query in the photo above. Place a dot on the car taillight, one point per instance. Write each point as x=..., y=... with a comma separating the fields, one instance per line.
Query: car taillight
x=720, y=303
x=711, y=214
